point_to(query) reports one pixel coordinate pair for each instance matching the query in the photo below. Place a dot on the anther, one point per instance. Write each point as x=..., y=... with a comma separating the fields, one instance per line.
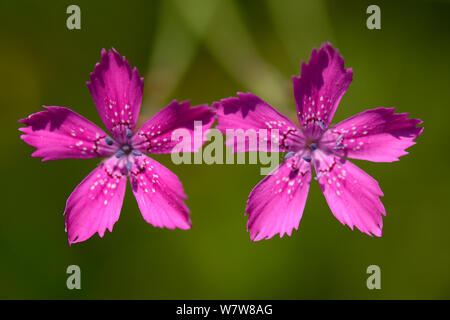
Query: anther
x=307, y=158
x=126, y=148
x=129, y=134
x=288, y=155
x=109, y=141
x=129, y=165
x=313, y=146
x=120, y=153
x=339, y=147
x=136, y=153
x=321, y=125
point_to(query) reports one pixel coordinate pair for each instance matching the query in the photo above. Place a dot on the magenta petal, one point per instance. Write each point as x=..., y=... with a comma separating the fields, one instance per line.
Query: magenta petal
x=246, y=112
x=60, y=133
x=275, y=205
x=95, y=204
x=378, y=135
x=155, y=136
x=159, y=194
x=117, y=93
x=352, y=195
x=320, y=87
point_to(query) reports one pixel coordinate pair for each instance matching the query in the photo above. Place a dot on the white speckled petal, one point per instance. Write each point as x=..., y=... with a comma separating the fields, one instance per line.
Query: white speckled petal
x=247, y=116
x=319, y=89
x=159, y=194
x=95, y=204
x=275, y=205
x=117, y=93
x=60, y=133
x=156, y=135
x=352, y=195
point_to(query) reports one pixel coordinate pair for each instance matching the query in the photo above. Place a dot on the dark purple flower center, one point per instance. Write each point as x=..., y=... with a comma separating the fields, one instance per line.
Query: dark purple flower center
x=126, y=148
x=125, y=152
x=301, y=148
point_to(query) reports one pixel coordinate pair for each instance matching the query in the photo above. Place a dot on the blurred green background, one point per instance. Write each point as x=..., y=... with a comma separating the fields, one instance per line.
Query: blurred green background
x=204, y=51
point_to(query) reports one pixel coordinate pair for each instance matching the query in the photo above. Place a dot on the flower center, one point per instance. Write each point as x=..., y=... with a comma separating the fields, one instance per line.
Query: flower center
x=126, y=148
x=126, y=153
x=303, y=151
x=312, y=145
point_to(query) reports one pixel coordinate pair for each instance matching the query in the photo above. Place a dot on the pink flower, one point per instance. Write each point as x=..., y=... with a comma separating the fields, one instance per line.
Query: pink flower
x=94, y=205
x=275, y=205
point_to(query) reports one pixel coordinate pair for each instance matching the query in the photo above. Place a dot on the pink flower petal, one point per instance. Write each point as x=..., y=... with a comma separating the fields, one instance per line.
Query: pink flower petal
x=159, y=194
x=95, y=204
x=319, y=89
x=60, y=133
x=249, y=112
x=378, y=135
x=275, y=205
x=352, y=195
x=155, y=136
x=117, y=93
